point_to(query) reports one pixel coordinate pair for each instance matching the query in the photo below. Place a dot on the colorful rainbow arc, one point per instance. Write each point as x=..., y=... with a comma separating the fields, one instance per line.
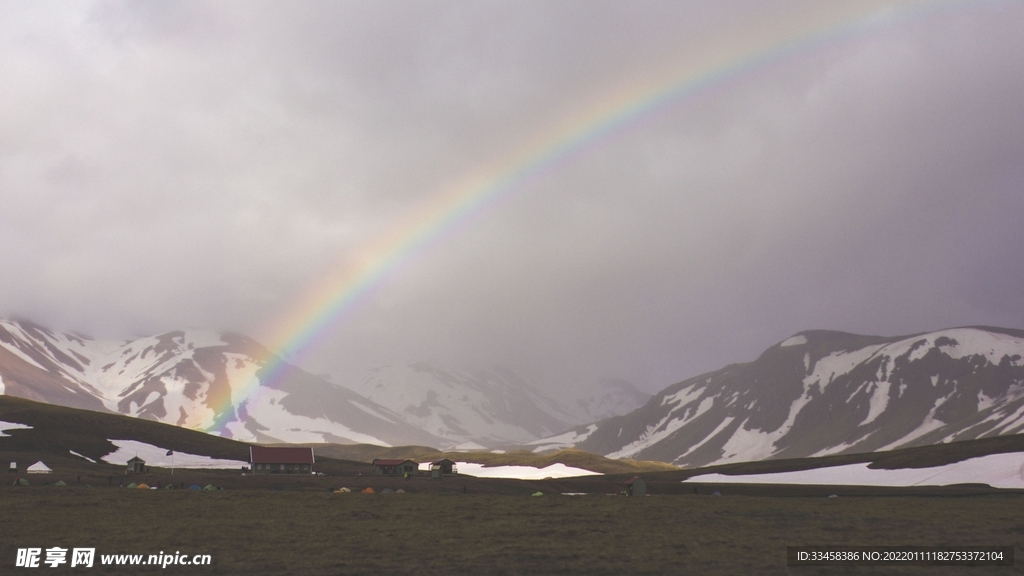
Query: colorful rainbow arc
x=458, y=205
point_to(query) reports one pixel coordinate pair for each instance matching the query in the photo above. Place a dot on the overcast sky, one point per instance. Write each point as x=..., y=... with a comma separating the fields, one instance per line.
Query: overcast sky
x=205, y=164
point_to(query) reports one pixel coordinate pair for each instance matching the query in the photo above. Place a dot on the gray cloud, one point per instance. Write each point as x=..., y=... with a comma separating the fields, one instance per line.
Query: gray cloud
x=192, y=164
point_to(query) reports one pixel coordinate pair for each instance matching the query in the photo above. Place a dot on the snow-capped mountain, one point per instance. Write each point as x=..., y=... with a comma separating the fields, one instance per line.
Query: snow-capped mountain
x=612, y=397
x=822, y=392
x=192, y=379
x=486, y=407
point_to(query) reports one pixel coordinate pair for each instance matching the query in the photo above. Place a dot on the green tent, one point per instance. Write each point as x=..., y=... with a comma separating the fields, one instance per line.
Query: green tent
x=60, y=483
x=132, y=485
x=20, y=482
x=537, y=494
x=209, y=487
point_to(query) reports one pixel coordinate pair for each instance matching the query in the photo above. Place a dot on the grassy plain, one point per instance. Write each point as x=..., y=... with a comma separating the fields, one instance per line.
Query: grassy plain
x=305, y=532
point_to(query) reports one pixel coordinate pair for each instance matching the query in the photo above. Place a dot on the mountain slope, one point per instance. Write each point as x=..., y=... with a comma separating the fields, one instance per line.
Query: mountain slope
x=192, y=379
x=823, y=392
x=611, y=398
x=491, y=407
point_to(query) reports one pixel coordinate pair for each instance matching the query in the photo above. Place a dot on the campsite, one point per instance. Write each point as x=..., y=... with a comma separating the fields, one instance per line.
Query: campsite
x=320, y=532
x=327, y=521
x=354, y=522
x=322, y=521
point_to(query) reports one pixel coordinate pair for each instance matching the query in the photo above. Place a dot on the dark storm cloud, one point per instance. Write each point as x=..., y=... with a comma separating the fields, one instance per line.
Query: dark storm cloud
x=193, y=164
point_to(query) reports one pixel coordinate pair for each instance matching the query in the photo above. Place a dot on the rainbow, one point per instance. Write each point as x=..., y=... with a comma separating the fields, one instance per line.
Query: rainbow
x=455, y=205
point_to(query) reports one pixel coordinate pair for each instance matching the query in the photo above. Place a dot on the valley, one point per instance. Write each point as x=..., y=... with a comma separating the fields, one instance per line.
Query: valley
x=267, y=532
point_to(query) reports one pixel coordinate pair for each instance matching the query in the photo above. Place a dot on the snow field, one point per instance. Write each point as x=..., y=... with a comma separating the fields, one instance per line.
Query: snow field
x=556, y=470
x=5, y=426
x=157, y=456
x=996, y=470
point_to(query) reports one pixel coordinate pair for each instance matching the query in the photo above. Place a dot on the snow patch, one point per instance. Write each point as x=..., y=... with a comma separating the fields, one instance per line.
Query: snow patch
x=714, y=432
x=556, y=470
x=565, y=440
x=927, y=425
x=758, y=444
x=984, y=402
x=879, y=400
x=971, y=341
x=157, y=456
x=797, y=340
x=13, y=349
x=684, y=396
x=5, y=426
x=1009, y=422
x=657, y=432
x=835, y=449
x=996, y=470
x=838, y=363
x=73, y=453
x=264, y=406
x=746, y=445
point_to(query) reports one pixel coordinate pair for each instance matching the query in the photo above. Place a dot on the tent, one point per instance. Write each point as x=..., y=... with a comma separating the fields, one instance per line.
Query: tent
x=195, y=487
x=60, y=483
x=538, y=493
x=368, y=490
x=39, y=468
x=399, y=491
x=209, y=487
x=387, y=491
x=20, y=482
x=142, y=486
x=341, y=490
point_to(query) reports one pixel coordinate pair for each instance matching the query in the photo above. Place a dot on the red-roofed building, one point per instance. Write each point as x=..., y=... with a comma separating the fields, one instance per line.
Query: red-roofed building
x=268, y=460
x=383, y=467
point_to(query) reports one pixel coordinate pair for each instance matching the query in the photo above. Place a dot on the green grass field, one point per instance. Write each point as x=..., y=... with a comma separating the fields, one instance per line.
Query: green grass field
x=268, y=532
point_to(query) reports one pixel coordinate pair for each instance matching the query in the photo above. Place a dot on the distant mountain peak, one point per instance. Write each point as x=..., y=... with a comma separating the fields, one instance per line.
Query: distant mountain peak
x=488, y=407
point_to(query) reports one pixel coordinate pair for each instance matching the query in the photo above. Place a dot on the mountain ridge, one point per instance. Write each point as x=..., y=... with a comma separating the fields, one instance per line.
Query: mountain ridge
x=195, y=378
x=191, y=378
x=825, y=392
x=485, y=408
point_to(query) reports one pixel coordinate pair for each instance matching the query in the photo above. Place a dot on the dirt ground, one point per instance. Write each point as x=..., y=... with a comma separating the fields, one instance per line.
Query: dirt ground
x=307, y=532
